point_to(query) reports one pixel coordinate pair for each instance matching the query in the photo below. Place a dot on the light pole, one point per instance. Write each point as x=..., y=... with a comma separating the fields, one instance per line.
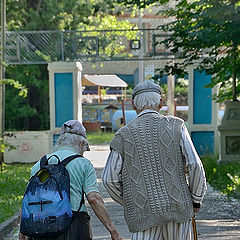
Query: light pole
x=2, y=71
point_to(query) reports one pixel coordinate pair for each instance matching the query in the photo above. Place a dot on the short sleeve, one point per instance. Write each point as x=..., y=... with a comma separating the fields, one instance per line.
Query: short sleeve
x=90, y=183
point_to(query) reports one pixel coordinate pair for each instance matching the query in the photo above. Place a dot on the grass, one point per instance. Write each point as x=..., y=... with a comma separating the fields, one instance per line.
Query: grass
x=14, y=178
x=223, y=177
x=13, y=181
x=99, y=138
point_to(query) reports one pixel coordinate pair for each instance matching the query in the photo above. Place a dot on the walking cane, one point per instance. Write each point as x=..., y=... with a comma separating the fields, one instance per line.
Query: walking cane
x=194, y=227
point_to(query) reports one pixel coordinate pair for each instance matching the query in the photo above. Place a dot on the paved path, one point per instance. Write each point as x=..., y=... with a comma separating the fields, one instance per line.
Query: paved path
x=219, y=217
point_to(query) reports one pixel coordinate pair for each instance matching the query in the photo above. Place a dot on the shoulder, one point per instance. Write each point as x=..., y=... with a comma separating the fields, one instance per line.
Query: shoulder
x=120, y=132
x=80, y=167
x=174, y=119
x=80, y=162
x=128, y=126
x=123, y=131
x=35, y=168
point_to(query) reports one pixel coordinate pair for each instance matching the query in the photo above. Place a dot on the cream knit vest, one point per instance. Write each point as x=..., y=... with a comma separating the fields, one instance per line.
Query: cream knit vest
x=154, y=184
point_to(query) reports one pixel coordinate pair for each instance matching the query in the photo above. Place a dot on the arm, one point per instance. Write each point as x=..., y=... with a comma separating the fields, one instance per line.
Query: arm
x=21, y=236
x=197, y=179
x=111, y=176
x=97, y=204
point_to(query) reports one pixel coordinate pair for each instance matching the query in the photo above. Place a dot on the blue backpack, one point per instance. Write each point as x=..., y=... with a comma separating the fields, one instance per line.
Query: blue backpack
x=46, y=207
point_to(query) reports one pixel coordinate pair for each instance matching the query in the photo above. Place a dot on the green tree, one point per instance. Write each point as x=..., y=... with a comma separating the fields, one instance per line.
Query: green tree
x=21, y=91
x=109, y=42
x=141, y=3
x=32, y=113
x=54, y=14
x=205, y=33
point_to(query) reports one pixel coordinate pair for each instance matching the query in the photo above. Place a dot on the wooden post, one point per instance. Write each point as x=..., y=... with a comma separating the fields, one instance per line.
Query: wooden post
x=125, y=94
x=175, y=107
x=99, y=93
x=2, y=73
x=170, y=94
x=123, y=112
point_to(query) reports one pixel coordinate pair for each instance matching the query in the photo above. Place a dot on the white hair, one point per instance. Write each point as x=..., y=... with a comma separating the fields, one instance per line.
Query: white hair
x=147, y=100
x=73, y=140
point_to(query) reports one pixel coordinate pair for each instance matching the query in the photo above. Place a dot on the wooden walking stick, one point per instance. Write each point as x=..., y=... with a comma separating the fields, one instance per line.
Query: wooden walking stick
x=194, y=227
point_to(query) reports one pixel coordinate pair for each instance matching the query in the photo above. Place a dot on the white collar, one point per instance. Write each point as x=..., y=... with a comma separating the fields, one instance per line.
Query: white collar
x=147, y=111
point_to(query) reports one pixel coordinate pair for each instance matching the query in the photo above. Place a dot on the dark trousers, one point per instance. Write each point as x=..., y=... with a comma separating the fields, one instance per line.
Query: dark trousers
x=80, y=229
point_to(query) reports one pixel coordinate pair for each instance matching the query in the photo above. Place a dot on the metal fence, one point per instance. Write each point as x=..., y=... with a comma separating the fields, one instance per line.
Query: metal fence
x=39, y=47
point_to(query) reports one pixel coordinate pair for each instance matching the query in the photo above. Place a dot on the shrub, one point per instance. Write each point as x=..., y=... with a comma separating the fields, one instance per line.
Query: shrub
x=223, y=177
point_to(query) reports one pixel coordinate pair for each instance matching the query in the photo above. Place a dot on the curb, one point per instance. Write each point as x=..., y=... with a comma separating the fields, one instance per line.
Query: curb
x=9, y=224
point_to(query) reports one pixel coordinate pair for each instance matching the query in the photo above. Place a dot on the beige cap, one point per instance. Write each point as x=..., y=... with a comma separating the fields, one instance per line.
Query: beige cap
x=74, y=127
x=147, y=86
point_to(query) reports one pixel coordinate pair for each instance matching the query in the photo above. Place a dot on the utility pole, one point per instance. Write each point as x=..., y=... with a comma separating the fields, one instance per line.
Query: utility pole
x=2, y=72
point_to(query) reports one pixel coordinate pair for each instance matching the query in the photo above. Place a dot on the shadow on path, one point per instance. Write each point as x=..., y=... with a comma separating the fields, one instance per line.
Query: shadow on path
x=219, y=217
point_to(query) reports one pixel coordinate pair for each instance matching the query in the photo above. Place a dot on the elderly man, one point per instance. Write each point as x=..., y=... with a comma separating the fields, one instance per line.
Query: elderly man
x=146, y=171
x=72, y=141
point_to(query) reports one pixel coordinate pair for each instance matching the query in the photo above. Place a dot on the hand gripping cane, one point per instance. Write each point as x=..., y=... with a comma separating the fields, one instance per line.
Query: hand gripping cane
x=194, y=227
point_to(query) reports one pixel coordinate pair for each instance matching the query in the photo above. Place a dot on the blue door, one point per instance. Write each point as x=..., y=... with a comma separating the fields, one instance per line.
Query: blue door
x=63, y=86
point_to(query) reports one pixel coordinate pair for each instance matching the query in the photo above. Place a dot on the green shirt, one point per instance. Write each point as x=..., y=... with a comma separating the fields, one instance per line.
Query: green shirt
x=81, y=171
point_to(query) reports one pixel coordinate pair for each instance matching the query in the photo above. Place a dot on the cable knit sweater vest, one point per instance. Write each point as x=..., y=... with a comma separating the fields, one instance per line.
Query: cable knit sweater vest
x=155, y=190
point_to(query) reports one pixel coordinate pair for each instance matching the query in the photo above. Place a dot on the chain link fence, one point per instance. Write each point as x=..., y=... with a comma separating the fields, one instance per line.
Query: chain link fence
x=40, y=47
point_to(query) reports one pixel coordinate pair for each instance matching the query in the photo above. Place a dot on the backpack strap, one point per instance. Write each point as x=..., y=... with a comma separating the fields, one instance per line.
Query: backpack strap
x=69, y=159
x=65, y=162
x=82, y=201
x=44, y=160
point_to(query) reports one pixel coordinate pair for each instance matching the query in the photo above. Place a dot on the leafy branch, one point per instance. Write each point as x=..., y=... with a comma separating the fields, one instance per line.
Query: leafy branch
x=22, y=89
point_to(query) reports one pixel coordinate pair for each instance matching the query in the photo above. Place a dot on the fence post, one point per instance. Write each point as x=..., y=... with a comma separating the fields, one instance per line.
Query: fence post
x=62, y=45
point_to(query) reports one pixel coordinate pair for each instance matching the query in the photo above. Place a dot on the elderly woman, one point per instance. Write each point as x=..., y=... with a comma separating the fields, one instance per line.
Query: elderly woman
x=83, y=180
x=145, y=171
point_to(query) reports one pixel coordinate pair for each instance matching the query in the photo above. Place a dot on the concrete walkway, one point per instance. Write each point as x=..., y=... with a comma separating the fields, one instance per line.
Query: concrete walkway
x=219, y=217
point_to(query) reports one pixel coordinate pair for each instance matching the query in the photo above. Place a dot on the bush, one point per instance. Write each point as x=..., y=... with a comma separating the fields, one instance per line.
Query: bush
x=223, y=177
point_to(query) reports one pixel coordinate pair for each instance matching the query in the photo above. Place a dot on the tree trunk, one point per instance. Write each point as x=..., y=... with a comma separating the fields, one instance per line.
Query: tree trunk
x=234, y=73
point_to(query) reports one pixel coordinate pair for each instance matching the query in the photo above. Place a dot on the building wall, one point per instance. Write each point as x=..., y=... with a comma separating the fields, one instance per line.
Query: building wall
x=30, y=146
